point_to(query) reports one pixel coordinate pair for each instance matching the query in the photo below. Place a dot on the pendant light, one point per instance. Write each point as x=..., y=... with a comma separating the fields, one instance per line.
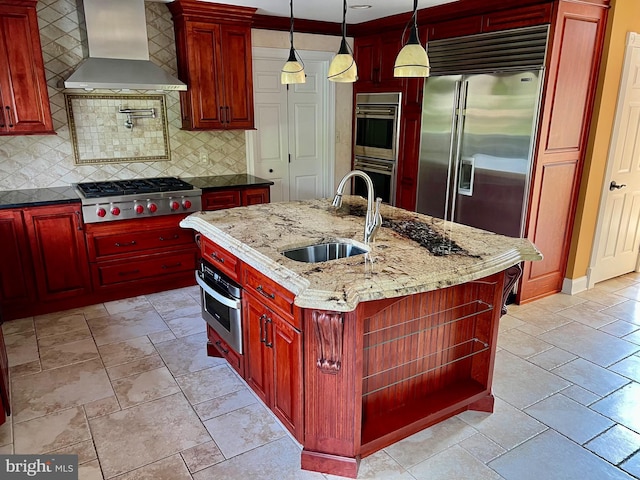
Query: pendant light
x=412, y=61
x=343, y=66
x=293, y=70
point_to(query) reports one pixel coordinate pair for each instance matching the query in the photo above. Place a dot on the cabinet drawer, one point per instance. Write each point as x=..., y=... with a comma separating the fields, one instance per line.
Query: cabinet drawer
x=221, y=199
x=124, y=243
x=217, y=347
x=221, y=259
x=269, y=292
x=152, y=266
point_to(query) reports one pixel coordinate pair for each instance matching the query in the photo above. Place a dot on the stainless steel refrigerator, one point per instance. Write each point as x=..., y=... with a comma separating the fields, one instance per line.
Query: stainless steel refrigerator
x=476, y=148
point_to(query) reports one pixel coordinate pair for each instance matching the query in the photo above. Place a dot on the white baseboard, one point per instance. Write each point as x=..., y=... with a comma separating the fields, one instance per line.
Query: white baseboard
x=571, y=286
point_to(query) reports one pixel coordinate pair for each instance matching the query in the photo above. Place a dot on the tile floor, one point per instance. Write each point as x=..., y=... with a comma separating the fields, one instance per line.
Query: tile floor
x=128, y=387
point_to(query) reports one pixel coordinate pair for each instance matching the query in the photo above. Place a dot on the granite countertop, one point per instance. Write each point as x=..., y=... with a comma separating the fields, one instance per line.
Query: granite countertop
x=226, y=181
x=395, y=266
x=37, y=197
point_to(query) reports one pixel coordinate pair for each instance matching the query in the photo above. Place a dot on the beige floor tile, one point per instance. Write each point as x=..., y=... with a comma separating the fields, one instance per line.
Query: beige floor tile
x=616, y=444
x=147, y=433
x=62, y=338
x=126, y=325
x=210, y=383
x=631, y=292
x=632, y=465
x=21, y=325
x=23, y=369
x=101, y=407
x=90, y=471
x=68, y=353
x=615, y=284
x=21, y=348
x=507, y=322
x=633, y=337
x=539, y=317
x=253, y=426
x=187, y=354
x=482, y=448
x=622, y=406
x=58, y=389
x=86, y=451
x=123, y=352
x=6, y=433
x=591, y=376
x=225, y=404
x=93, y=311
x=159, y=337
x=51, y=432
x=187, y=325
x=127, y=304
x=602, y=297
x=380, y=465
x=506, y=426
x=170, y=468
x=454, y=462
x=619, y=328
x=175, y=304
x=552, y=358
x=629, y=367
x=588, y=317
x=46, y=326
x=56, y=315
x=580, y=395
x=628, y=311
x=521, y=383
x=144, y=387
x=6, y=449
x=202, y=456
x=522, y=344
x=422, y=445
x=275, y=460
x=558, y=302
x=134, y=367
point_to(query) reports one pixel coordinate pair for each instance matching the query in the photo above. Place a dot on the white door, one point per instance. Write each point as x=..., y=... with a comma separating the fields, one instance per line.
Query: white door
x=293, y=144
x=617, y=239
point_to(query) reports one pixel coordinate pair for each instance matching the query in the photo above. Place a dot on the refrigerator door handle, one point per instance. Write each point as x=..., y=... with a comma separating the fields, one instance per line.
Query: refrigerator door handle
x=452, y=145
x=455, y=165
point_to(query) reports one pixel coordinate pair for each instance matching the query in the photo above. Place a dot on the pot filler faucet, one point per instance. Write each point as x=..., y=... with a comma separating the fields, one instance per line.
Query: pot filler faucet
x=373, y=219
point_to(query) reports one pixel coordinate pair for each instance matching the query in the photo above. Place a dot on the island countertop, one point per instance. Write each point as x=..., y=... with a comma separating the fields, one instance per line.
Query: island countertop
x=396, y=265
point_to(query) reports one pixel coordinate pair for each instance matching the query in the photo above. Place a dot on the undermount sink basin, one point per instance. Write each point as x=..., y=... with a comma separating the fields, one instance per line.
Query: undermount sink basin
x=323, y=252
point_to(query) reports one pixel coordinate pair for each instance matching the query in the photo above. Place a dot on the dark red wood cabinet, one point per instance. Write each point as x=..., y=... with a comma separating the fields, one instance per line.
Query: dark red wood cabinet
x=375, y=56
x=5, y=398
x=16, y=270
x=214, y=59
x=235, y=197
x=24, y=100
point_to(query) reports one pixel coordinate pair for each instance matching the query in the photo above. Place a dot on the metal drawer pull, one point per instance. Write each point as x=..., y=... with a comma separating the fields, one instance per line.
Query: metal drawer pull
x=216, y=257
x=130, y=244
x=130, y=272
x=2, y=119
x=265, y=294
x=224, y=350
x=175, y=265
x=164, y=239
x=263, y=333
x=266, y=333
x=9, y=116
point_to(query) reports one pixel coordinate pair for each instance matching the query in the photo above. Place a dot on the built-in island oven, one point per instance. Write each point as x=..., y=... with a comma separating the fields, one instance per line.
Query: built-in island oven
x=221, y=300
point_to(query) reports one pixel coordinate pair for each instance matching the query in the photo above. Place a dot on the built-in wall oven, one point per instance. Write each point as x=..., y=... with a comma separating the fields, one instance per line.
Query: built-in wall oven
x=221, y=300
x=376, y=142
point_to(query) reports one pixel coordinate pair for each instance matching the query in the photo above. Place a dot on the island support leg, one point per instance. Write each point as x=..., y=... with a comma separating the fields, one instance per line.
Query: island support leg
x=333, y=393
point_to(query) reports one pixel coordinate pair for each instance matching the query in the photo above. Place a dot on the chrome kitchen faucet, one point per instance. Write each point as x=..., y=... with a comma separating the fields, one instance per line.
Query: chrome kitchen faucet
x=373, y=219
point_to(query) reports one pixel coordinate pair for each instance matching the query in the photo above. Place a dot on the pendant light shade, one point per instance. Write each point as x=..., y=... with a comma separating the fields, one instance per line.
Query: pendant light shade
x=412, y=61
x=293, y=70
x=343, y=67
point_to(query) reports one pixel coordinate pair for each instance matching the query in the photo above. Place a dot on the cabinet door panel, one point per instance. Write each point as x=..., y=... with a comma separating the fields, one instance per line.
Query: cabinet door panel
x=16, y=279
x=237, y=76
x=205, y=64
x=22, y=80
x=367, y=60
x=59, y=251
x=255, y=196
x=287, y=374
x=221, y=199
x=258, y=357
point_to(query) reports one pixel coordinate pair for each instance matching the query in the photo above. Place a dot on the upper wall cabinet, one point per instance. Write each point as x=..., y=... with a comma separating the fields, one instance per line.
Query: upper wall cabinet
x=375, y=56
x=24, y=99
x=214, y=59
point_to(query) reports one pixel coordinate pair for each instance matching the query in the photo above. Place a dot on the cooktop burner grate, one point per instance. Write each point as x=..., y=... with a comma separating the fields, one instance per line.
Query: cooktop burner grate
x=132, y=187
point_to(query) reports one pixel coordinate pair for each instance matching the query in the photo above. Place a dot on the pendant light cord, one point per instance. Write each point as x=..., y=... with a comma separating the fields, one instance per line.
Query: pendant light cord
x=291, y=23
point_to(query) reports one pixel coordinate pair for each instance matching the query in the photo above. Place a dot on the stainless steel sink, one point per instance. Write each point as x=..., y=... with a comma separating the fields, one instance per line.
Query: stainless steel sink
x=323, y=252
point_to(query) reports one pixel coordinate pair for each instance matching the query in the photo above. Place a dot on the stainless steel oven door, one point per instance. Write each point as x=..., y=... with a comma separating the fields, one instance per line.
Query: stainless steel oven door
x=222, y=312
x=376, y=131
x=383, y=176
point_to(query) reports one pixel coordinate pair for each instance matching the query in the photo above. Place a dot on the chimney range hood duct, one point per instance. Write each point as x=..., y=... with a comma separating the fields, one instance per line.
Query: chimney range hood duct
x=119, y=50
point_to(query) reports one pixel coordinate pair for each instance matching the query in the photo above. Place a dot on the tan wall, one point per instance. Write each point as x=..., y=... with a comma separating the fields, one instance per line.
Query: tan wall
x=623, y=17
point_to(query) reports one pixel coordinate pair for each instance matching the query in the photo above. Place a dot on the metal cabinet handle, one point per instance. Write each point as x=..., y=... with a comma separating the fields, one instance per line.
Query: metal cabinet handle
x=164, y=239
x=265, y=294
x=267, y=343
x=221, y=114
x=129, y=244
x=79, y=218
x=216, y=257
x=9, y=116
x=173, y=265
x=614, y=186
x=228, y=115
x=219, y=345
x=263, y=336
x=3, y=124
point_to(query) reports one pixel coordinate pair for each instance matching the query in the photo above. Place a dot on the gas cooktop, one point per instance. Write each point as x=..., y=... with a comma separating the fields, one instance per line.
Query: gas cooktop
x=137, y=198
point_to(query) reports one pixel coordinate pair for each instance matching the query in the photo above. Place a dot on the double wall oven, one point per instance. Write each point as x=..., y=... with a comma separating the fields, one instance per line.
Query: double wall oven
x=376, y=142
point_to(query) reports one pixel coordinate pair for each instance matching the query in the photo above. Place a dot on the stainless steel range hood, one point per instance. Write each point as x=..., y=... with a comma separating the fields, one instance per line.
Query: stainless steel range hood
x=118, y=50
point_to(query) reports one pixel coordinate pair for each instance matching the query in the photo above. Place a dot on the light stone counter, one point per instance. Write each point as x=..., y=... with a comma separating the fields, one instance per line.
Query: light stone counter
x=395, y=265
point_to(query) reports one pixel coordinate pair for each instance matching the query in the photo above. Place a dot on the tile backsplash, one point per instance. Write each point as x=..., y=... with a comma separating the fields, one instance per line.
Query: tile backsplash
x=34, y=161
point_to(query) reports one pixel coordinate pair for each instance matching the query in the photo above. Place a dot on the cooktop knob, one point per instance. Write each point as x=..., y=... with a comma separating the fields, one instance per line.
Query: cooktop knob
x=115, y=211
x=174, y=205
x=101, y=212
x=152, y=207
x=139, y=209
x=186, y=204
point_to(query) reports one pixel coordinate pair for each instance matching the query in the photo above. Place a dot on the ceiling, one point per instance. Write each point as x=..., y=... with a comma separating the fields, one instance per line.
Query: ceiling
x=331, y=10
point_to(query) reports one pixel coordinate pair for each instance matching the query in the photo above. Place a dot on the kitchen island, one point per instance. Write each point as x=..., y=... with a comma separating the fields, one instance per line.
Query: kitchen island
x=356, y=353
